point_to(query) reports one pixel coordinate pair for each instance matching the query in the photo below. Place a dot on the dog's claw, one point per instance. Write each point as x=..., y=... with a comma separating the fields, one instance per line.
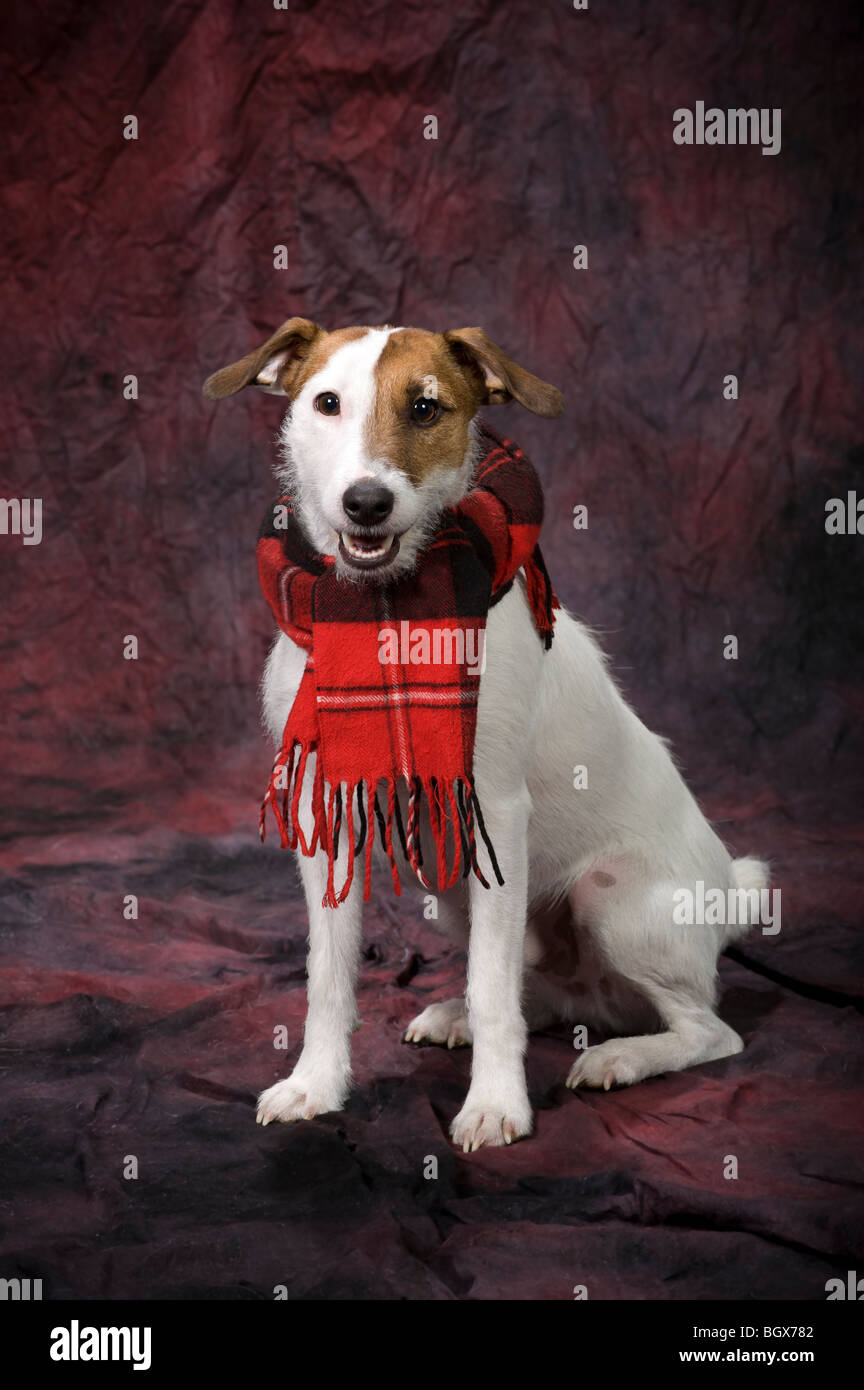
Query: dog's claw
x=444, y=1024
x=291, y=1100
x=605, y=1065
x=478, y=1127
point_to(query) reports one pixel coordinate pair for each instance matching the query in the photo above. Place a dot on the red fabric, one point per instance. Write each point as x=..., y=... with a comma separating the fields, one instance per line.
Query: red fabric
x=374, y=723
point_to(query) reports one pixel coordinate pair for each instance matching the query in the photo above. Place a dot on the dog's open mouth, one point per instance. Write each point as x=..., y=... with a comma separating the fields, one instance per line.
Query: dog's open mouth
x=368, y=552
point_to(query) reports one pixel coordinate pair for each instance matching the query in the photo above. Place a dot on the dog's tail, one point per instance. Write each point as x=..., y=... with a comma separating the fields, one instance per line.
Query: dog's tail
x=750, y=877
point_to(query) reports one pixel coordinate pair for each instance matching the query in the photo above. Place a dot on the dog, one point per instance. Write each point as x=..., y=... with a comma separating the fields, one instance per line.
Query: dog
x=379, y=437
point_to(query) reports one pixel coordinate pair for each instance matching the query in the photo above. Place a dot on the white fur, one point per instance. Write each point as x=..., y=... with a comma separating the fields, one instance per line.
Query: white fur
x=635, y=826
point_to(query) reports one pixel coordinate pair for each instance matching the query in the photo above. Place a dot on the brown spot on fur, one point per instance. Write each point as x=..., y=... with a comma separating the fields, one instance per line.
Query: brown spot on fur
x=603, y=880
x=409, y=358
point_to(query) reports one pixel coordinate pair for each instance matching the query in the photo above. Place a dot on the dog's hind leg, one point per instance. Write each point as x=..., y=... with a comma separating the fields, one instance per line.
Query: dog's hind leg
x=672, y=967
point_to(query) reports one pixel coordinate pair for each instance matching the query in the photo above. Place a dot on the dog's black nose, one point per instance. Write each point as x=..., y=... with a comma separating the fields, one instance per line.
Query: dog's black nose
x=368, y=504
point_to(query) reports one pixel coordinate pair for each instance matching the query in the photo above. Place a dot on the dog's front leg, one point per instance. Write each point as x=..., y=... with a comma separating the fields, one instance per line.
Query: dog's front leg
x=496, y=1109
x=322, y=1077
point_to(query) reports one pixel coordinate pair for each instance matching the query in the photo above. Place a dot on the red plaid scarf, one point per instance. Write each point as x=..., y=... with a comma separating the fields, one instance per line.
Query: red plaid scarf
x=373, y=723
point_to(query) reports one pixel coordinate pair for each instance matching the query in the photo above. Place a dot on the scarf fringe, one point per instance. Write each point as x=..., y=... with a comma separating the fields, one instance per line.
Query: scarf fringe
x=452, y=805
x=542, y=598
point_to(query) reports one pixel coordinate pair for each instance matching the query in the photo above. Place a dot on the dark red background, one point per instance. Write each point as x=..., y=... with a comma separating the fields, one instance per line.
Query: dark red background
x=155, y=257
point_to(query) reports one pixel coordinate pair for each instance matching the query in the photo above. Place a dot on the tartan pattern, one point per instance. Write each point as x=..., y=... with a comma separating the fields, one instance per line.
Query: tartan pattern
x=374, y=724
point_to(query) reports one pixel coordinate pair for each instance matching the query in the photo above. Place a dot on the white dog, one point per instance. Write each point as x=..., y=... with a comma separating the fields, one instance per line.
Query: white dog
x=583, y=929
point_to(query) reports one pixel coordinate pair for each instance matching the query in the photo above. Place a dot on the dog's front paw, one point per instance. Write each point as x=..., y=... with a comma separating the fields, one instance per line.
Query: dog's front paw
x=296, y=1099
x=492, y=1124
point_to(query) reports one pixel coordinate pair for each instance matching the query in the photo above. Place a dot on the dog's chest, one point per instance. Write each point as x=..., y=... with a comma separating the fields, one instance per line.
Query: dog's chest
x=508, y=685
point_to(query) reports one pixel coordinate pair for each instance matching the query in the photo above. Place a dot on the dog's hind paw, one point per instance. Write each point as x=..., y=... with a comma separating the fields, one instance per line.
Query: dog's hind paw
x=446, y=1024
x=614, y=1063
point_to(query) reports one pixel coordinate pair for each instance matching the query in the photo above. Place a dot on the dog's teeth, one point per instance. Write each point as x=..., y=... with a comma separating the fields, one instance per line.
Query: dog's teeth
x=362, y=551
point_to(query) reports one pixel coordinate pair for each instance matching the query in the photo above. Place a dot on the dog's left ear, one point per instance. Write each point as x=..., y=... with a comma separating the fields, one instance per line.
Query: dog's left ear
x=502, y=379
x=269, y=366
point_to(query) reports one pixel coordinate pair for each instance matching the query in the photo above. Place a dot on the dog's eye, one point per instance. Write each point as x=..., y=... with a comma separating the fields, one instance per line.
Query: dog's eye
x=327, y=403
x=425, y=411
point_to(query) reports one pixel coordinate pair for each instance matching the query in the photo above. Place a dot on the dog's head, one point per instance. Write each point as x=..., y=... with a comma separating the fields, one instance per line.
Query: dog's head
x=379, y=433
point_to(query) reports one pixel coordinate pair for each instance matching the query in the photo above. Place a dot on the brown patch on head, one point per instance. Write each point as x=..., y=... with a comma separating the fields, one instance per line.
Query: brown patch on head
x=462, y=370
x=414, y=363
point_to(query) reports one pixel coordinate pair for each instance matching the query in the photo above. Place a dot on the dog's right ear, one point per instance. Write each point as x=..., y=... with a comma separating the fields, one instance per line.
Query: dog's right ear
x=271, y=366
